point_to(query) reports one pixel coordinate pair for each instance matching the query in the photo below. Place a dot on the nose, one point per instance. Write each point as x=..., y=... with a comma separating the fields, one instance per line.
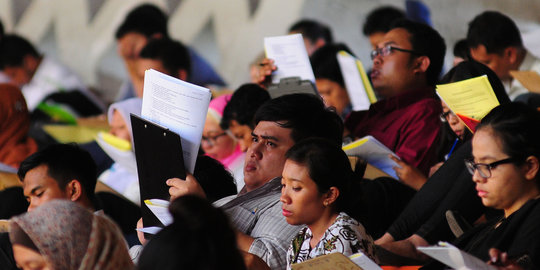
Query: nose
x=285, y=199
x=254, y=150
x=243, y=146
x=377, y=60
x=477, y=178
x=32, y=205
x=452, y=119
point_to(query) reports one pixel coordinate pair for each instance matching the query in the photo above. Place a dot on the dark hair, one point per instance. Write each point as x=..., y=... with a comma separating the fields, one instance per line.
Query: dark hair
x=461, y=49
x=305, y=115
x=325, y=64
x=13, y=49
x=200, y=233
x=312, y=30
x=145, y=19
x=327, y=164
x=243, y=104
x=463, y=71
x=65, y=162
x=426, y=41
x=495, y=31
x=173, y=55
x=517, y=125
x=216, y=181
x=381, y=19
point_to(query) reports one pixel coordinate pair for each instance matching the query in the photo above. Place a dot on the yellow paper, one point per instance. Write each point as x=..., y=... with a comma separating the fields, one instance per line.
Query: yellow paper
x=68, y=133
x=473, y=98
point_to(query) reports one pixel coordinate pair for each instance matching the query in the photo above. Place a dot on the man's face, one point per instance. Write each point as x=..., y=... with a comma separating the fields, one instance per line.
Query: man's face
x=39, y=187
x=265, y=156
x=142, y=65
x=393, y=74
x=18, y=75
x=500, y=64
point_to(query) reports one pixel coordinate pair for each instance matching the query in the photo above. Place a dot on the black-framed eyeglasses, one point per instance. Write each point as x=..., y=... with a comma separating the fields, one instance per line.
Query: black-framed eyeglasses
x=445, y=115
x=212, y=139
x=388, y=49
x=485, y=169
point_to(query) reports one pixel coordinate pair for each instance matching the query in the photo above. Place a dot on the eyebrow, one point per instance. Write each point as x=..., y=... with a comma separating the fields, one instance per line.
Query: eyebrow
x=265, y=137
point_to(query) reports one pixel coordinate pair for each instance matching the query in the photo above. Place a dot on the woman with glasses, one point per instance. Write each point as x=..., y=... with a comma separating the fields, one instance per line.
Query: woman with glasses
x=219, y=144
x=505, y=168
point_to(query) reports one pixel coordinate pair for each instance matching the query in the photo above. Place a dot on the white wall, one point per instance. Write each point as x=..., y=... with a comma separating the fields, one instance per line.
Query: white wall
x=80, y=32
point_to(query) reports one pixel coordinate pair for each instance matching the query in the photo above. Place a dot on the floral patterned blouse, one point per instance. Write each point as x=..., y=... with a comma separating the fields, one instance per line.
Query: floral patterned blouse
x=345, y=235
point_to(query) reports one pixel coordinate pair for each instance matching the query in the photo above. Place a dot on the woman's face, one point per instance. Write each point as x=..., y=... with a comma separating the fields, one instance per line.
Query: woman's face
x=301, y=201
x=119, y=127
x=29, y=259
x=242, y=133
x=216, y=142
x=508, y=188
x=453, y=121
x=333, y=94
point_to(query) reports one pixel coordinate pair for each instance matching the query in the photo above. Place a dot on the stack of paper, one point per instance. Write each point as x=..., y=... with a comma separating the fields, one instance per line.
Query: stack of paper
x=290, y=56
x=454, y=257
x=356, y=81
x=374, y=152
x=338, y=261
x=469, y=99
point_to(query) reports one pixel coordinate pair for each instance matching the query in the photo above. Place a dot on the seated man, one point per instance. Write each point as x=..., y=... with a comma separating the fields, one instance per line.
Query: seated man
x=37, y=75
x=239, y=112
x=141, y=25
x=256, y=211
x=495, y=40
x=406, y=66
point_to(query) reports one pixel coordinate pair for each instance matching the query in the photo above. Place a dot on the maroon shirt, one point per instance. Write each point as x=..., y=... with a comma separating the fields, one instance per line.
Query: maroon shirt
x=408, y=124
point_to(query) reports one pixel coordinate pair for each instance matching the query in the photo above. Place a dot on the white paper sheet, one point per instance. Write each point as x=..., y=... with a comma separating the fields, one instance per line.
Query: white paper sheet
x=179, y=106
x=454, y=257
x=7, y=168
x=374, y=152
x=160, y=208
x=290, y=56
x=150, y=230
x=353, y=82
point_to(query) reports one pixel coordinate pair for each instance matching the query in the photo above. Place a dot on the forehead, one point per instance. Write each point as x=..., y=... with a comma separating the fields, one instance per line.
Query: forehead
x=147, y=63
x=38, y=176
x=480, y=54
x=397, y=36
x=267, y=128
x=486, y=144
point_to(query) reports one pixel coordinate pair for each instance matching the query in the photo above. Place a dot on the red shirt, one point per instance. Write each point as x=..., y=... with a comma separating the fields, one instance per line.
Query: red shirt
x=408, y=124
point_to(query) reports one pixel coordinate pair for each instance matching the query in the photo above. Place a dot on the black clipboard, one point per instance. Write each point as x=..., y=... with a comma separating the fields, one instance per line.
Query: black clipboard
x=292, y=85
x=159, y=156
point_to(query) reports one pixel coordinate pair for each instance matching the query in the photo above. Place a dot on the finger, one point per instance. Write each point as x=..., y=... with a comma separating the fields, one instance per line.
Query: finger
x=494, y=255
x=395, y=159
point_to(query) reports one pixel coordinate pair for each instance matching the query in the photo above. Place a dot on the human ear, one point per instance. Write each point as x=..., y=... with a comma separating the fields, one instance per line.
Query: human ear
x=531, y=167
x=331, y=195
x=74, y=190
x=182, y=74
x=511, y=54
x=421, y=64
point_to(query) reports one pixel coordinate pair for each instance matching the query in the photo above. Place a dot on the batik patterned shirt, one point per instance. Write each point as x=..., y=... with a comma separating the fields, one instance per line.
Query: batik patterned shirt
x=345, y=235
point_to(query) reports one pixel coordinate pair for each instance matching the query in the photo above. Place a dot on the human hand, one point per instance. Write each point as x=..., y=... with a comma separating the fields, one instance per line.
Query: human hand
x=434, y=168
x=140, y=234
x=501, y=261
x=263, y=72
x=179, y=187
x=408, y=174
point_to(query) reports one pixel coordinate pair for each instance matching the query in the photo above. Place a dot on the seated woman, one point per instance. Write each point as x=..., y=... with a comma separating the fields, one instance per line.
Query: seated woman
x=199, y=238
x=506, y=170
x=63, y=235
x=122, y=175
x=219, y=144
x=314, y=190
x=15, y=145
x=453, y=133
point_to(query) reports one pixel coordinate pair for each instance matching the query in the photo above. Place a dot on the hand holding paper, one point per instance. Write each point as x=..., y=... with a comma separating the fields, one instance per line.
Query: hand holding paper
x=290, y=56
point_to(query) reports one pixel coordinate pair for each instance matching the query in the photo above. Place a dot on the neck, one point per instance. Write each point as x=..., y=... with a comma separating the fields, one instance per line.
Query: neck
x=321, y=225
x=532, y=193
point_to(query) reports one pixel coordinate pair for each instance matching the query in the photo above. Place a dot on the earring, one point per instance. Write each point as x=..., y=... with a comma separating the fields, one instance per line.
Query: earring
x=325, y=203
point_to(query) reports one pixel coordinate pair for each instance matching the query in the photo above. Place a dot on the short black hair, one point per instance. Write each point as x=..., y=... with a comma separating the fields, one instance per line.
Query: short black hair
x=495, y=31
x=381, y=19
x=325, y=64
x=461, y=49
x=428, y=42
x=13, y=49
x=312, y=30
x=216, y=181
x=65, y=162
x=243, y=104
x=305, y=115
x=146, y=19
x=173, y=55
